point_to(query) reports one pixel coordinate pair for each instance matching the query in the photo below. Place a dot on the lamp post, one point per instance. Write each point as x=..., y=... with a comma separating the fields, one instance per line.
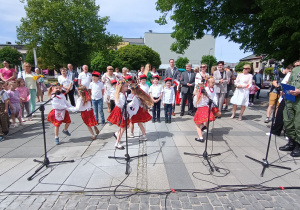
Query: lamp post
x=209, y=60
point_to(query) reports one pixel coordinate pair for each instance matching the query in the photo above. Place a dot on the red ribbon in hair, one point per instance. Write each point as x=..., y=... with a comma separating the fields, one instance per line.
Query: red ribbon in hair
x=88, y=98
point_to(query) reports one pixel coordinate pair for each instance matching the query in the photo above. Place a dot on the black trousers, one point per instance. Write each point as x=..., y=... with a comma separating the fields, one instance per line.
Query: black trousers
x=175, y=90
x=251, y=97
x=188, y=96
x=258, y=92
x=156, y=110
x=71, y=96
x=112, y=104
x=278, y=124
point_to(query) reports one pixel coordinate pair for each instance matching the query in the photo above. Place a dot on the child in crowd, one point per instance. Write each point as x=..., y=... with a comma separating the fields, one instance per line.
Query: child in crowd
x=15, y=103
x=59, y=113
x=24, y=96
x=156, y=92
x=139, y=104
x=112, y=92
x=252, y=90
x=97, y=91
x=143, y=85
x=130, y=82
x=117, y=117
x=84, y=105
x=201, y=102
x=4, y=120
x=168, y=99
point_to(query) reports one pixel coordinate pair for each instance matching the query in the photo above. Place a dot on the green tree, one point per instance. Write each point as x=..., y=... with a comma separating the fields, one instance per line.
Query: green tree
x=10, y=55
x=210, y=60
x=269, y=71
x=239, y=66
x=181, y=62
x=100, y=60
x=262, y=26
x=133, y=56
x=66, y=31
x=29, y=57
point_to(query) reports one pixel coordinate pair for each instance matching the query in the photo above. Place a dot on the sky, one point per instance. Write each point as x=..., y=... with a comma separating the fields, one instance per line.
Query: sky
x=130, y=19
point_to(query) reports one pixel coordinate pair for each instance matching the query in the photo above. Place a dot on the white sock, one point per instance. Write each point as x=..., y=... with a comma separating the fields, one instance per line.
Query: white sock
x=56, y=136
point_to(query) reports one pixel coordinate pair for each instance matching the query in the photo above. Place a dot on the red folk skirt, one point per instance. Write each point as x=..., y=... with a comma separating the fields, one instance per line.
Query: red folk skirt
x=55, y=122
x=141, y=116
x=89, y=118
x=115, y=117
x=201, y=115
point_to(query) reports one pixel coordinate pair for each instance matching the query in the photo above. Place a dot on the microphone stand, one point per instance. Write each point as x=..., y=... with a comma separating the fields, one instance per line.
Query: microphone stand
x=265, y=164
x=45, y=162
x=205, y=155
x=127, y=156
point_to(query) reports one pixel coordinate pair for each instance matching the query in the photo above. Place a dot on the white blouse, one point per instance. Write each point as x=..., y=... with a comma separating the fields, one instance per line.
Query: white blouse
x=80, y=107
x=60, y=102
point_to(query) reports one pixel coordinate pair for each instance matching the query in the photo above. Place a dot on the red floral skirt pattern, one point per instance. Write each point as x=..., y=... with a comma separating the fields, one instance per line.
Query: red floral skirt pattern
x=55, y=122
x=89, y=118
x=115, y=117
x=141, y=116
x=201, y=115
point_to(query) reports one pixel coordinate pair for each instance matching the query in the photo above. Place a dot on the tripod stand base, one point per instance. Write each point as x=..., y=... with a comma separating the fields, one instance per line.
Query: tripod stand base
x=127, y=158
x=46, y=164
x=266, y=164
x=206, y=157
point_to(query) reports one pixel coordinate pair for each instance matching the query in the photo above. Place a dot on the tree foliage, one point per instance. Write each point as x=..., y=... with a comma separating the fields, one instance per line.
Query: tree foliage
x=239, y=66
x=130, y=56
x=210, y=60
x=10, y=55
x=269, y=71
x=181, y=62
x=262, y=26
x=65, y=31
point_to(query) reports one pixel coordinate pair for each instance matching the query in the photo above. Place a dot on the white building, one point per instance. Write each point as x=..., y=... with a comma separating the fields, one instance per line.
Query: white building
x=161, y=43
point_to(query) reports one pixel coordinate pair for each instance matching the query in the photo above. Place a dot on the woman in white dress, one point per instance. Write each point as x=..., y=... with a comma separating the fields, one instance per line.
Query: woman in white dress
x=241, y=94
x=106, y=78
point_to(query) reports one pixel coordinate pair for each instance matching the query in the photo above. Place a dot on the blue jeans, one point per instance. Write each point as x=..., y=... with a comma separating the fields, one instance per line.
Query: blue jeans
x=168, y=108
x=98, y=108
x=156, y=110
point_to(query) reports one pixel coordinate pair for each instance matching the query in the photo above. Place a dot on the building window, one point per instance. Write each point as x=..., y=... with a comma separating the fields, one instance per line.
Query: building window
x=257, y=63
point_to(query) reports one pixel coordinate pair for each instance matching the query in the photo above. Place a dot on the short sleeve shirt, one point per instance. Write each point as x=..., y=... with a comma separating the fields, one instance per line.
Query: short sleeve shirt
x=156, y=90
x=65, y=81
x=86, y=79
x=4, y=96
x=7, y=73
x=258, y=78
x=29, y=81
x=96, y=89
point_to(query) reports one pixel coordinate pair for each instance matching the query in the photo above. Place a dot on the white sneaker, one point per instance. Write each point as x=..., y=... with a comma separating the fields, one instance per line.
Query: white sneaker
x=29, y=119
x=23, y=120
x=267, y=134
x=130, y=135
x=143, y=138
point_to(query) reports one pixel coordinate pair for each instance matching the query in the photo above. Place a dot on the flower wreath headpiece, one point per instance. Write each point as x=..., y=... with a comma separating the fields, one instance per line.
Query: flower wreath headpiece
x=122, y=82
x=55, y=84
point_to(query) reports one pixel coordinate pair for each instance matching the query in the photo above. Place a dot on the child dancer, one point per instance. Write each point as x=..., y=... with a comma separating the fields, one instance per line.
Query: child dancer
x=4, y=100
x=84, y=105
x=116, y=116
x=252, y=90
x=24, y=96
x=112, y=92
x=143, y=85
x=201, y=101
x=139, y=104
x=59, y=113
x=15, y=103
x=168, y=99
x=156, y=92
x=97, y=91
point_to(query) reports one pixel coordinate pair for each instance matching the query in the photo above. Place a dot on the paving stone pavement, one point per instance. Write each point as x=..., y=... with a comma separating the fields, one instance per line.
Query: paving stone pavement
x=275, y=199
x=81, y=185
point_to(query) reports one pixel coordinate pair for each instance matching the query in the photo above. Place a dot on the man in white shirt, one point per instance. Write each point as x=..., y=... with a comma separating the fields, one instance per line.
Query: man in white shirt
x=143, y=84
x=85, y=77
x=156, y=95
x=96, y=89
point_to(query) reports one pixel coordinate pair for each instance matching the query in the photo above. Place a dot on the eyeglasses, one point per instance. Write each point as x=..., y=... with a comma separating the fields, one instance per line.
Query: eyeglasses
x=27, y=66
x=202, y=67
x=246, y=68
x=110, y=69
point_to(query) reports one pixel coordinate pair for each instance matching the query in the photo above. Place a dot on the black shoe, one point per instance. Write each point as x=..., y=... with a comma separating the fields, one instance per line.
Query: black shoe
x=169, y=121
x=296, y=151
x=191, y=113
x=166, y=121
x=181, y=114
x=203, y=128
x=153, y=120
x=199, y=139
x=225, y=109
x=158, y=120
x=290, y=146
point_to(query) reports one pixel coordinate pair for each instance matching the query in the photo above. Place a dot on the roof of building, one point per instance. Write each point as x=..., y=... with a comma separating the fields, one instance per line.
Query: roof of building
x=251, y=57
x=134, y=40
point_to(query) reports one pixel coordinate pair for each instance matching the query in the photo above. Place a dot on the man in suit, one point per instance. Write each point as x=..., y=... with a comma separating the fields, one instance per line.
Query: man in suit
x=221, y=80
x=188, y=83
x=172, y=72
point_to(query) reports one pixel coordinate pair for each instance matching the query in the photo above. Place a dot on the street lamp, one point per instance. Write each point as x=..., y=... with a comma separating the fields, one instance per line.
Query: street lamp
x=209, y=60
